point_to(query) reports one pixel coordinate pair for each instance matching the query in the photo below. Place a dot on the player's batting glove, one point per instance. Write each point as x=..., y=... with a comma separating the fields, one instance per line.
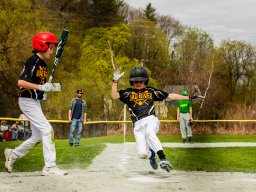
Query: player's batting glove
x=117, y=75
x=56, y=87
x=47, y=87
x=191, y=97
x=195, y=97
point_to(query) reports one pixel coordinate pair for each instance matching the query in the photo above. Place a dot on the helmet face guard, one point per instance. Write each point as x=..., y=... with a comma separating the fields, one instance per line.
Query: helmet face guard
x=42, y=40
x=139, y=74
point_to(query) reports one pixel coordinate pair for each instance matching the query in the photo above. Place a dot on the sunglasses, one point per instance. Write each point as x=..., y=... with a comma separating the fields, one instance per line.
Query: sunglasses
x=80, y=93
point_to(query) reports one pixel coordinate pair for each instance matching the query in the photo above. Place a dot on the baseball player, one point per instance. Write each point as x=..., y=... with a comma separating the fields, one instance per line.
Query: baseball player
x=184, y=116
x=140, y=101
x=32, y=83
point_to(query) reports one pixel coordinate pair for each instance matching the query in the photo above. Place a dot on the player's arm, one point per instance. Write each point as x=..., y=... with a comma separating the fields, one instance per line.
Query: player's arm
x=27, y=85
x=178, y=114
x=191, y=113
x=174, y=96
x=115, y=93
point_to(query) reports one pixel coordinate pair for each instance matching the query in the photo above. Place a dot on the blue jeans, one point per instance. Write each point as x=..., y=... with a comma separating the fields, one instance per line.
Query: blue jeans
x=79, y=124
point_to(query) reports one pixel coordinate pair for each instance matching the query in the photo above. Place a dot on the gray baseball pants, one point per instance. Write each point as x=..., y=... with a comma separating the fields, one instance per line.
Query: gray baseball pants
x=185, y=128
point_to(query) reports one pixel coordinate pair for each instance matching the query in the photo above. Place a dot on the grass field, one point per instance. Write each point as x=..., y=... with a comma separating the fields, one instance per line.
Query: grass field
x=235, y=159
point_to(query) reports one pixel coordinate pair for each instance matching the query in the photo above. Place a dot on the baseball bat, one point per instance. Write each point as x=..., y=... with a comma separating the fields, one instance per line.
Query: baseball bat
x=60, y=48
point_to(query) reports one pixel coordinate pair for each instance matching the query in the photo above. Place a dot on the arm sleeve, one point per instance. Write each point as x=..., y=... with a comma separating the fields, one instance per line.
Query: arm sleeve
x=70, y=106
x=26, y=74
x=124, y=95
x=85, y=107
x=159, y=95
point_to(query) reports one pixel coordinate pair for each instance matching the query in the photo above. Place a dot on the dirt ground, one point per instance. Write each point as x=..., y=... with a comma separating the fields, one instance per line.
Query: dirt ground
x=117, y=169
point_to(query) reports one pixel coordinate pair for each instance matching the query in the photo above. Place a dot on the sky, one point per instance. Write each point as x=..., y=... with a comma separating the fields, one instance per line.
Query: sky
x=221, y=19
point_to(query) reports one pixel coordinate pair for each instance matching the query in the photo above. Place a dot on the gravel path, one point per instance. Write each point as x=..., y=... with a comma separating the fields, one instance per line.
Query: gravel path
x=117, y=169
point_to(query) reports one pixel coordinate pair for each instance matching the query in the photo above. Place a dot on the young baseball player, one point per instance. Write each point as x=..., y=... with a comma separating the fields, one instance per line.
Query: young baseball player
x=32, y=83
x=185, y=117
x=140, y=101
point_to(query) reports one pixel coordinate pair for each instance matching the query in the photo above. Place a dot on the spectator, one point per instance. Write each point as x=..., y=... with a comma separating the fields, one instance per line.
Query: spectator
x=27, y=129
x=77, y=117
x=21, y=130
x=14, y=131
x=3, y=130
x=28, y=132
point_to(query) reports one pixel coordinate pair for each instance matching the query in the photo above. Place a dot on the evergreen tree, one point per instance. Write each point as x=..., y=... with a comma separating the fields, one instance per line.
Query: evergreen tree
x=150, y=12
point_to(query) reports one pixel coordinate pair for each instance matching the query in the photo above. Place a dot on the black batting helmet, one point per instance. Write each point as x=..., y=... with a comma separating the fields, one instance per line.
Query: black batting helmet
x=139, y=74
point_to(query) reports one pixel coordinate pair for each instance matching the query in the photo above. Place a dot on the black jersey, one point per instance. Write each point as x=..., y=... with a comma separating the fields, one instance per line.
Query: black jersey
x=141, y=102
x=34, y=71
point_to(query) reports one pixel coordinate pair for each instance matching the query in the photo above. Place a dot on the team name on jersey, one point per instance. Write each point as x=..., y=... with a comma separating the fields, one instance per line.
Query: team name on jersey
x=141, y=97
x=41, y=73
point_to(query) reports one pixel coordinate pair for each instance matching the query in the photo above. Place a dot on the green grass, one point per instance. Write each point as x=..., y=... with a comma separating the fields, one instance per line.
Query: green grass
x=232, y=159
x=242, y=159
x=211, y=138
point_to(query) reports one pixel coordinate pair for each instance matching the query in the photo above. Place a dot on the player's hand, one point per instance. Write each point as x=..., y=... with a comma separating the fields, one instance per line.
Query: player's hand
x=191, y=97
x=47, y=87
x=117, y=75
x=56, y=87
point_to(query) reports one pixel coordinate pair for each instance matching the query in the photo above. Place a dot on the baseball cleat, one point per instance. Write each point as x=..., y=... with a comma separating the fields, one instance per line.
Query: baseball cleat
x=153, y=162
x=55, y=170
x=164, y=164
x=9, y=160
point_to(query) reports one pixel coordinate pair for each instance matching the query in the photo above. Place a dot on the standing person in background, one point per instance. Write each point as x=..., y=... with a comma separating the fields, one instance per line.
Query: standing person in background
x=14, y=129
x=3, y=131
x=77, y=117
x=140, y=100
x=33, y=85
x=184, y=116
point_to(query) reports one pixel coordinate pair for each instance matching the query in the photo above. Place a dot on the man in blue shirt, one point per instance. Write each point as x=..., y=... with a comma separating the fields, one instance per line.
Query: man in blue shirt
x=77, y=117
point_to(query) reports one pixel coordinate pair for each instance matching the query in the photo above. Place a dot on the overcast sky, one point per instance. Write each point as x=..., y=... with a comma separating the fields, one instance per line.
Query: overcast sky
x=222, y=19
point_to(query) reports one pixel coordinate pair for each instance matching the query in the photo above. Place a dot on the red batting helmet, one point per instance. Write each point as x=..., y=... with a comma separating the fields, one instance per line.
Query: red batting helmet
x=42, y=39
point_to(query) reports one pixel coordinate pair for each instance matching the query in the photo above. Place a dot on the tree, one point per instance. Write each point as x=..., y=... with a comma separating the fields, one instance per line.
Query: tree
x=96, y=70
x=237, y=70
x=16, y=33
x=148, y=44
x=104, y=12
x=150, y=12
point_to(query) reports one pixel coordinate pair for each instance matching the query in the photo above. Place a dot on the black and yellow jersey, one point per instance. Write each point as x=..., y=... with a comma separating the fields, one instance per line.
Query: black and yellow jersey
x=34, y=71
x=141, y=102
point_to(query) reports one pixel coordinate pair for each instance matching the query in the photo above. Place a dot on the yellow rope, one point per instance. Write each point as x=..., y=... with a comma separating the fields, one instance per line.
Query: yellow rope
x=162, y=121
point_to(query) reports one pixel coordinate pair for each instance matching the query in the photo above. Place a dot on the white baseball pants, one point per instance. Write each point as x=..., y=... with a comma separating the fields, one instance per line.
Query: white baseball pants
x=145, y=131
x=41, y=131
x=185, y=128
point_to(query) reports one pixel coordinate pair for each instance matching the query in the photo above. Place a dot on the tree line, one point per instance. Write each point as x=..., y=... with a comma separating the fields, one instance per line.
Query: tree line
x=174, y=54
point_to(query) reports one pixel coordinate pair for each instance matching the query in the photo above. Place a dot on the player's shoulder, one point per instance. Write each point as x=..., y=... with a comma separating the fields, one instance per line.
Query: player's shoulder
x=127, y=90
x=152, y=88
x=32, y=60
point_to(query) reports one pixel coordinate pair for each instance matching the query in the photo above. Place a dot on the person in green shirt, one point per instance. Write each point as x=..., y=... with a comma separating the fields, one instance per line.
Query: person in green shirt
x=184, y=116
